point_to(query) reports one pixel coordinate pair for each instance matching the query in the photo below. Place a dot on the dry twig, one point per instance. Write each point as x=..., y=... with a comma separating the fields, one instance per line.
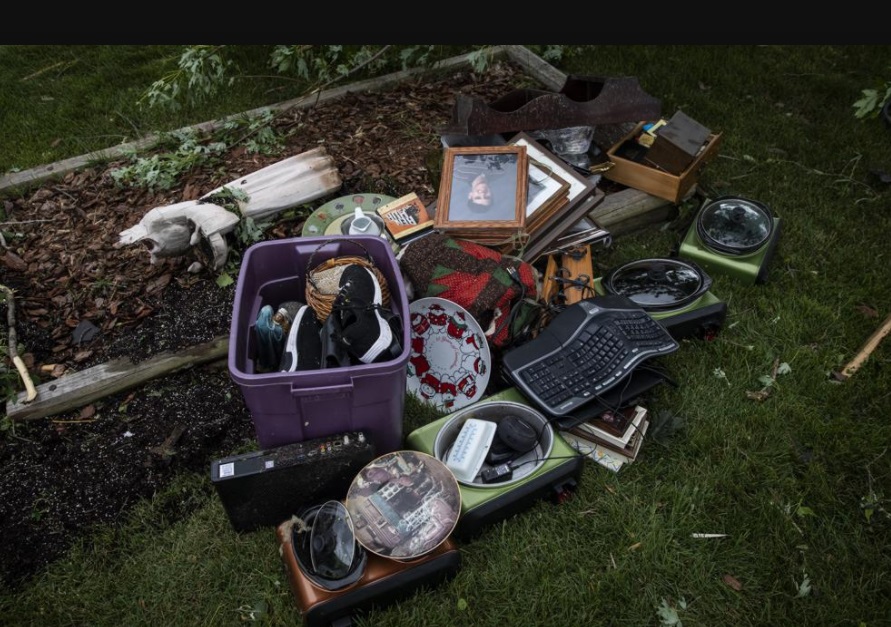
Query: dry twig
x=13, y=349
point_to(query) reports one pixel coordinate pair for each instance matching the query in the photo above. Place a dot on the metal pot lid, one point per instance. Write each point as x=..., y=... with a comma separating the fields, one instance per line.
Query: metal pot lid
x=658, y=284
x=734, y=225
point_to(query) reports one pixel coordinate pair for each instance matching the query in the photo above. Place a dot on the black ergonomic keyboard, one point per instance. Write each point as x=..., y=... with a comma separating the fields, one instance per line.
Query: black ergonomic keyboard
x=587, y=349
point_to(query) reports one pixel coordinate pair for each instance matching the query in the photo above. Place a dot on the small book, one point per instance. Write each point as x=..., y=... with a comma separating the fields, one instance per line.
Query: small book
x=405, y=217
x=629, y=452
x=605, y=456
x=601, y=429
x=602, y=456
x=615, y=422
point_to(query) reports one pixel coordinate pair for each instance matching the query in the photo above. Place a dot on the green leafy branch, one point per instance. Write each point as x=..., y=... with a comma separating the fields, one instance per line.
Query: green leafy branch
x=872, y=101
x=162, y=170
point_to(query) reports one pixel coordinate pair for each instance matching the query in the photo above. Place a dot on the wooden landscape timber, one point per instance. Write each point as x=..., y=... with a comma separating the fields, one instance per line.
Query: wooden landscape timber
x=80, y=388
x=629, y=210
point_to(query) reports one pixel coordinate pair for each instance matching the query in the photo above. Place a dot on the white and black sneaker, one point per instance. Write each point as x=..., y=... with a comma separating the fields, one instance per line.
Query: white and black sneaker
x=363, y=327
x=303, y=346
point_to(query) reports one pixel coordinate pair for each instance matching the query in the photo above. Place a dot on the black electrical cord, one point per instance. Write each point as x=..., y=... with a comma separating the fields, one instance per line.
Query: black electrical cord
x=510, y=319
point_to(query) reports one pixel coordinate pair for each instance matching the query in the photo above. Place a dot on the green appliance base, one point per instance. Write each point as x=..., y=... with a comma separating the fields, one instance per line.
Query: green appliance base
x=702, y=318
x=484, y=506
x=749, y=269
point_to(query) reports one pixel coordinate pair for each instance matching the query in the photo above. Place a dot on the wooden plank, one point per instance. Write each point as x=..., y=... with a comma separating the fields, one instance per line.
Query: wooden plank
x=80, y=388
x=630, y=209
x=535, y=66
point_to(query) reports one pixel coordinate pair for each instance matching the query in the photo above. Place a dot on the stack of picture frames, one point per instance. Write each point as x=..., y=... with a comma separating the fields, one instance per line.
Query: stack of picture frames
x=562, y=200
x=518, y=198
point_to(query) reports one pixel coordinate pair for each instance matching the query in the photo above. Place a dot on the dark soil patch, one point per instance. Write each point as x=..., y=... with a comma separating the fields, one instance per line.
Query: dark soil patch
x=61, y=475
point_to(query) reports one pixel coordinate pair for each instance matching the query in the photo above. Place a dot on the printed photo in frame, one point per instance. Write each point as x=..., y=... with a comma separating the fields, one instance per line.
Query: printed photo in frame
x=482, y=186
x=583, y=196
x=578, y=185
x=546, y=192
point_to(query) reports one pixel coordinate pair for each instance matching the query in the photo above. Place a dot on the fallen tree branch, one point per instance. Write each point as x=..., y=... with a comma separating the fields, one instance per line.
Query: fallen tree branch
x=316, y=90
x=865, y=351
x=31, y=391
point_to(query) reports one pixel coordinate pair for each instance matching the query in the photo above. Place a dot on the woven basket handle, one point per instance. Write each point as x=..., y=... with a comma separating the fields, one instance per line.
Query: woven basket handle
x=310, y=264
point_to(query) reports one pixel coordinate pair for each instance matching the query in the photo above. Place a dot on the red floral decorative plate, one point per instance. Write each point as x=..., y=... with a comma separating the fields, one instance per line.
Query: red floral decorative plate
x=450, y=362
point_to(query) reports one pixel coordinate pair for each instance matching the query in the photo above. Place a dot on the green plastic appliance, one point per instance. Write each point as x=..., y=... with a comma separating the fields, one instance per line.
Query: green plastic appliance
x=554, y=471
x=675, y=292
x=733, y=236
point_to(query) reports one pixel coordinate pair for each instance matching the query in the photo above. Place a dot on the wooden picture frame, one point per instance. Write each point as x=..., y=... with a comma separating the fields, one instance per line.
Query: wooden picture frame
x=498, y=201
x=543, y=186
x=578, y=185
x=583, y=196
x=405, y=216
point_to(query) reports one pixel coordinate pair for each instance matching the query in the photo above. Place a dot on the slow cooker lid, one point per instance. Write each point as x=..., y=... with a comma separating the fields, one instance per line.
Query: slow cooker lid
x=659, y=283
x=734, y=225
x=332, y=542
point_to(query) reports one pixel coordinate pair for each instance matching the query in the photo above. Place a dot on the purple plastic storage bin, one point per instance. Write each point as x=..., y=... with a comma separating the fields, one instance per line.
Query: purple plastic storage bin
x=297, y=406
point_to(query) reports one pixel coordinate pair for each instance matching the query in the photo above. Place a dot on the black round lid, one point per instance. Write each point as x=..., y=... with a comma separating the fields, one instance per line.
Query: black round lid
x=734, y=225
x=658, y=284
x=332, y=542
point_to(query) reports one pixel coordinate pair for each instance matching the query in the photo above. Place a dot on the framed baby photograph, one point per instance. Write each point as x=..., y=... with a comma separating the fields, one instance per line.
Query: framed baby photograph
x=482, y=186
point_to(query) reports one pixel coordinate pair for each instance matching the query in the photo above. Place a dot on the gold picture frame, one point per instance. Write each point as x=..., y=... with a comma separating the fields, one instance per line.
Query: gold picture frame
x=482, y=187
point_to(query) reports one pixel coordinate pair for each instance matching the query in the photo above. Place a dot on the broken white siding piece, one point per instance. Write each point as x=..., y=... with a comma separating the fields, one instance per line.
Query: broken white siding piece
x=286, y=184
x=171, y=230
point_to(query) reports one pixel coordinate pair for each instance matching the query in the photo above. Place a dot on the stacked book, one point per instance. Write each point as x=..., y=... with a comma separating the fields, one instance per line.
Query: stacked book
x=406, y=218
x=612, y=438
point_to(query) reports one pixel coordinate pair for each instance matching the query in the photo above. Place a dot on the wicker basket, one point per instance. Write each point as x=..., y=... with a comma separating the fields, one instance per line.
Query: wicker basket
x=323, y=281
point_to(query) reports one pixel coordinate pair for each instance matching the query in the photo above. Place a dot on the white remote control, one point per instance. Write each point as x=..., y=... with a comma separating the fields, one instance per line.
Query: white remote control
x=470, y=448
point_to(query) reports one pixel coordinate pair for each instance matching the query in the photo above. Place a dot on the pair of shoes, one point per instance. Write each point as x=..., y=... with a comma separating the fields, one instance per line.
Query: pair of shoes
x=358, y=327
x=303, y=347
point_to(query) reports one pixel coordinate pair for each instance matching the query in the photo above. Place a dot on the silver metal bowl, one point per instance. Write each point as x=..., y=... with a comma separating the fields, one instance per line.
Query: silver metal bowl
x=525, y=464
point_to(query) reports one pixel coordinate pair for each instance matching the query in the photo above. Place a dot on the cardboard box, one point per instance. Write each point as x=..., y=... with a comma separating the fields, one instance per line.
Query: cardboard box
x=630, y=168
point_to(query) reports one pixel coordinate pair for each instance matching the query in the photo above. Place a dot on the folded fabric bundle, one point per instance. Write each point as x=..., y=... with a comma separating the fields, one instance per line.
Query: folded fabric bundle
x=476, y=277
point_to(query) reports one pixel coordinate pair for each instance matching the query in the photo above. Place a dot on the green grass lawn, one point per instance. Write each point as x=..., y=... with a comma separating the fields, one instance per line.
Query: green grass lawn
x=800, y=483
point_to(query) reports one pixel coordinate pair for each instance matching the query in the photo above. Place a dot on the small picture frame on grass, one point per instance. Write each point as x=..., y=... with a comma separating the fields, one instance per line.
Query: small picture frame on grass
x=405, y=216
x=483, y=186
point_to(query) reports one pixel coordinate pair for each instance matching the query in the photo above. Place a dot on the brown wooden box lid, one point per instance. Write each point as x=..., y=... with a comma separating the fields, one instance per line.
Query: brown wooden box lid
x=677, y=143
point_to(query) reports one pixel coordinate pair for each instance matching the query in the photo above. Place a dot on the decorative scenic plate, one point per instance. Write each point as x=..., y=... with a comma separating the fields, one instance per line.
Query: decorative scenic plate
x=404, y=504
x=319, y=220
x=450, y=362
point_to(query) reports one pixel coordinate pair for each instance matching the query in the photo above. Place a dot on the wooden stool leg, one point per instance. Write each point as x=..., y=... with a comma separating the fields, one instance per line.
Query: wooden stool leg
x=580, y=268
